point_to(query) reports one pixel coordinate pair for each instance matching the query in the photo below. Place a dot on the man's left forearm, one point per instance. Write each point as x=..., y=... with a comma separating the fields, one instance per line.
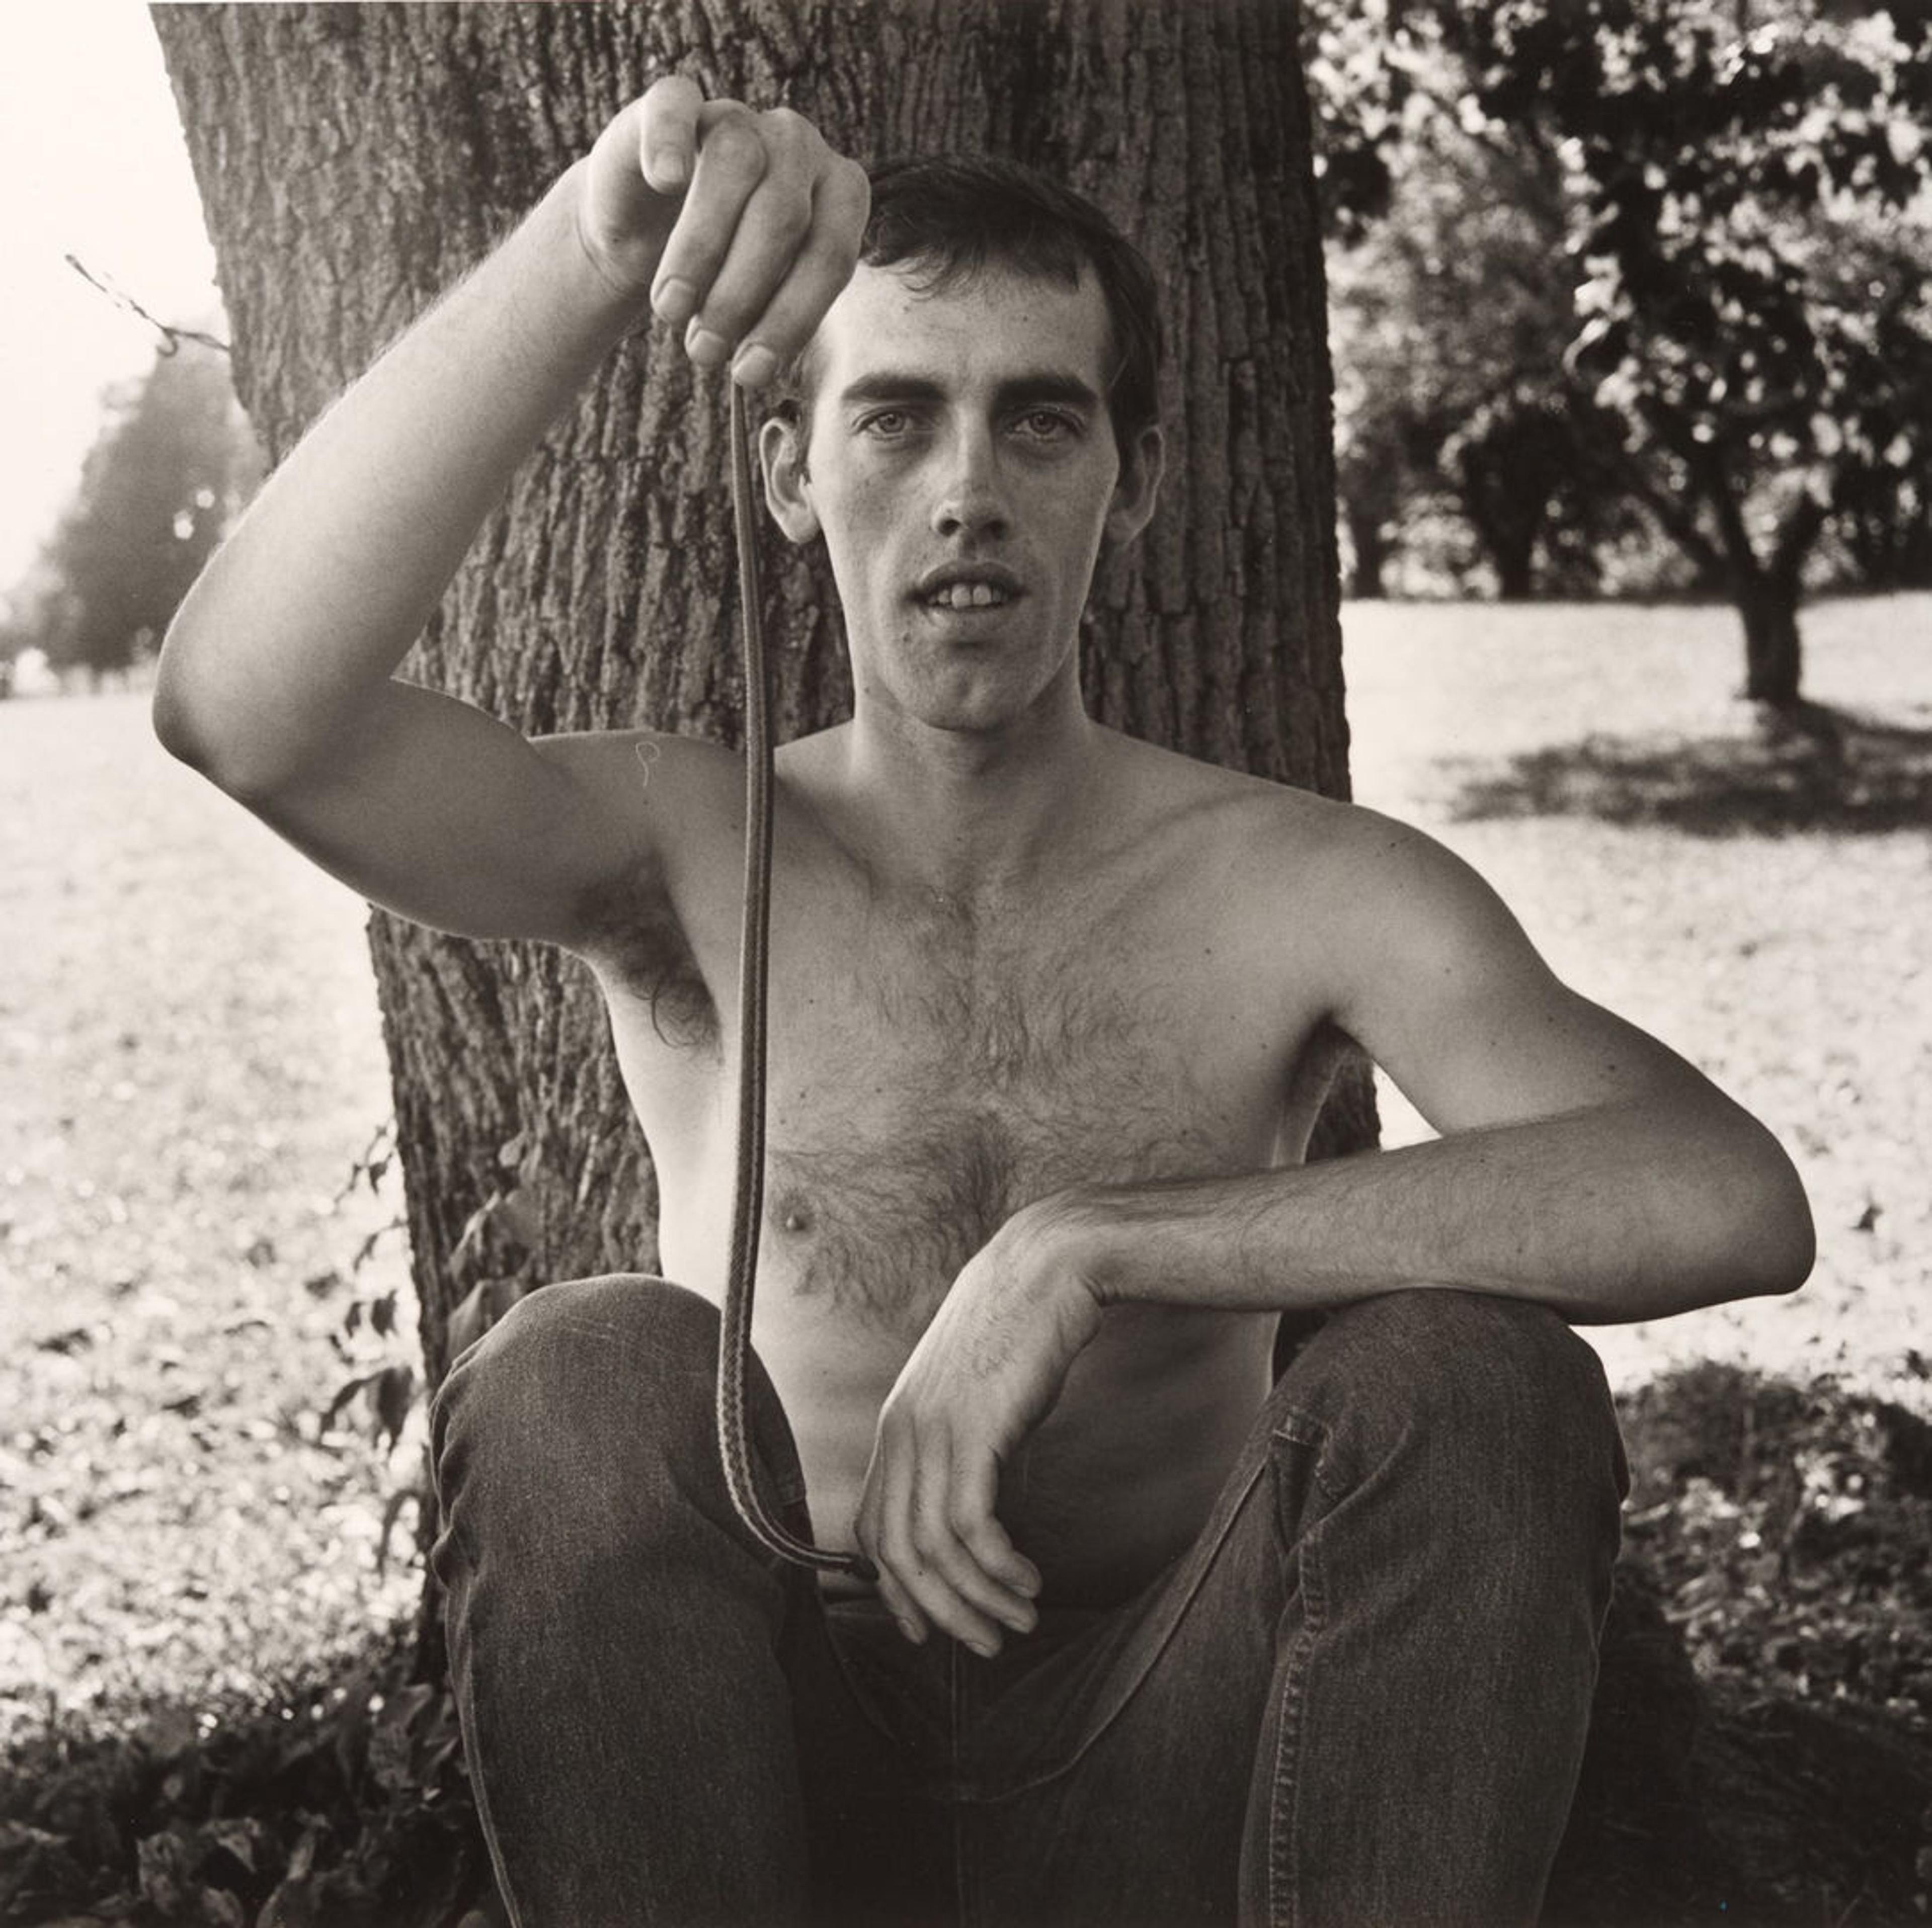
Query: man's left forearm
x=1630, y=1211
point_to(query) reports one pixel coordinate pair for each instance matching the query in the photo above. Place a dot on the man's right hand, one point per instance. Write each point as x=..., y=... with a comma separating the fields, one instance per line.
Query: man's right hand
x=743, y=226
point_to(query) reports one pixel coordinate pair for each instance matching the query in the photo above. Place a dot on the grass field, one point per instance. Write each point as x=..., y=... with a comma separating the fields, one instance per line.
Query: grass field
x=190, y=1064
x=190, y=1061
x=1774, y=926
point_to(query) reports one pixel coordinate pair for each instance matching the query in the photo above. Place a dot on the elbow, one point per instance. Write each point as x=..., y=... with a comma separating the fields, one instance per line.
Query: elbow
x=1797, y=1249
x=1774, y=1242
x=174, y=720
x=180, y=716
x=200, y=717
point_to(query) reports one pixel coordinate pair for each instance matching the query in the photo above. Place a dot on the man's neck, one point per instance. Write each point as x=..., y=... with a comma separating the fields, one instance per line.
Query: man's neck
x=972, y=814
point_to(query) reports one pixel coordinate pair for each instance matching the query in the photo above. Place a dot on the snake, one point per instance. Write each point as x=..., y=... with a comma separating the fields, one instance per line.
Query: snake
x=734, y=1341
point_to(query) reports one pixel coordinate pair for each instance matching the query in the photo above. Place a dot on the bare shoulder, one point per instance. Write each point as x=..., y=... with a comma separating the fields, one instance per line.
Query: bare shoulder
x=1332, y=890
x=1384, y=880
x=1413, y=943
x=1265, y=827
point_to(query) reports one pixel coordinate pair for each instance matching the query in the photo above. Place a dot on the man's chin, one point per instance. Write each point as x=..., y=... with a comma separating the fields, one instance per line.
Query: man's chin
x=977, y=712
x=983, y=698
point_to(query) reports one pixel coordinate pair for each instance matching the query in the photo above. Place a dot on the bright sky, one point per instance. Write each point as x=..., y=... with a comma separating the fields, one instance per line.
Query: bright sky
x=92, y=164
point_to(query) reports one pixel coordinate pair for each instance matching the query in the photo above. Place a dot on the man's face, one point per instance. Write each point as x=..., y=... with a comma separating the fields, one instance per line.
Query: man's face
x=960, y=463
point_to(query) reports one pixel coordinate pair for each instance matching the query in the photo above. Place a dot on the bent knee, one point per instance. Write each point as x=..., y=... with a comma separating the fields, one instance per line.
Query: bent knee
x=626, y=1311
x=612, y=1354
x=1444, y=1339
x=1474, y=1373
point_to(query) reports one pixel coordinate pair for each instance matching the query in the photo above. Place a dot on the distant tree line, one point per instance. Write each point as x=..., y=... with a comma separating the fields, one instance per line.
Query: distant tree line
x=1633, y=294
x=170, y=468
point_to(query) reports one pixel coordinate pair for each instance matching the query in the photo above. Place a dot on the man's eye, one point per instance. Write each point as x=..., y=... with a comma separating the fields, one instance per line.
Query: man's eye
x=886, y=422
x=1047, y=425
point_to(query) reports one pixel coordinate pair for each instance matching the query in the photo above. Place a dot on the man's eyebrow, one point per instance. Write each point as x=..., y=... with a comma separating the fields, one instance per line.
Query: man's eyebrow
x=1049, y=386
x=1044, y=385
x=889, y=385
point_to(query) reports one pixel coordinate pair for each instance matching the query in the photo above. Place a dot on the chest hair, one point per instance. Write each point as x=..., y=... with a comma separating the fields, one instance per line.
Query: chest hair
x=967, y=1071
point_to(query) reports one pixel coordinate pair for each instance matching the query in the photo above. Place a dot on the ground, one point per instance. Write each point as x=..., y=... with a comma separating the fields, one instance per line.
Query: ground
x=1792, y=963
x=191, y=1064
x=193, y=1071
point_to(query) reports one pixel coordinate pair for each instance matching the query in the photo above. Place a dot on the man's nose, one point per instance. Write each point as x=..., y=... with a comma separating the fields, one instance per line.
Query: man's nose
x=970, y=501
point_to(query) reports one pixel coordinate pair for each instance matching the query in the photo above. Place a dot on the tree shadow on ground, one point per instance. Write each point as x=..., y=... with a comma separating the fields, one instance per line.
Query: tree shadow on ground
x=1817, y=769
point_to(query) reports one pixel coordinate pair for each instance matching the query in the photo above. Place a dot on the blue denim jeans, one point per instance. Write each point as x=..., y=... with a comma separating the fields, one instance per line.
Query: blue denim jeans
x=1360, y=1698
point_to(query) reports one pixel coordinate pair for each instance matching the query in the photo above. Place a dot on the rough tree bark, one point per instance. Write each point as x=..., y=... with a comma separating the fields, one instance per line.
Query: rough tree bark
x=354, y=161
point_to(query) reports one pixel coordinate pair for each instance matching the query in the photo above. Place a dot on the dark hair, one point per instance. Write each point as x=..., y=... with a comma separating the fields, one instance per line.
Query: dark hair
x=944, y=220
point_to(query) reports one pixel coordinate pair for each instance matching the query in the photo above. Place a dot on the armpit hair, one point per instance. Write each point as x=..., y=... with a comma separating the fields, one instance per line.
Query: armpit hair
x=634, y=937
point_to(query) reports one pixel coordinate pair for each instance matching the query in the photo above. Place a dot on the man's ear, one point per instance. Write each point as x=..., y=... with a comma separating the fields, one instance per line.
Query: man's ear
x=787, y=481
x=1138, y=484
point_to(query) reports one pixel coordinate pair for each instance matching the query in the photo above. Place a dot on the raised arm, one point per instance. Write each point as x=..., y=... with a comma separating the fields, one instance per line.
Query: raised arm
x=277, y=677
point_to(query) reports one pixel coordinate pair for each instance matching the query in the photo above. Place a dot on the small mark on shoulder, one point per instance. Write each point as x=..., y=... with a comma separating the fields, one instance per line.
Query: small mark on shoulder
x=648, y=749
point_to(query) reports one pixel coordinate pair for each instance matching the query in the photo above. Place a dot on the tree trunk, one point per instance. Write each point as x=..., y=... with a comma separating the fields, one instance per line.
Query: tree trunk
x=353, y=161
x=1764, y=588
x=1773, y=654
x=1507, y=481
x=1513, y=556
x=1368, y=538
x=1506, y=512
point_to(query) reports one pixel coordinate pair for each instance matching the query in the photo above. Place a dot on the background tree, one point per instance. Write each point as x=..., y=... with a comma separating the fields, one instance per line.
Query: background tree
x=1449, y=331
x=22, y=622
x=1743, y=191
x=165, y=474
x=1756, y=251
x=399, y=142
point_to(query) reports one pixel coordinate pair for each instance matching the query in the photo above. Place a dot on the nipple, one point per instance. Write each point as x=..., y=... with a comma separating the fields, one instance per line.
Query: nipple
x=794, y=1214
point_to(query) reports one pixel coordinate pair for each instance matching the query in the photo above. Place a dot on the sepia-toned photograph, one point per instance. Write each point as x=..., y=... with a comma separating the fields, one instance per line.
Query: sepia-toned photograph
x=968, y=964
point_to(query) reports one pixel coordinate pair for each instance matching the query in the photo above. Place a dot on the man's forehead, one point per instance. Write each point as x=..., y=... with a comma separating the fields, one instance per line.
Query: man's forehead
x=990, y=322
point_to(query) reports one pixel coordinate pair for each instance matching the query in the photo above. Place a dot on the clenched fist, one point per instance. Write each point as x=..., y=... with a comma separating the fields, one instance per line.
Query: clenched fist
x=743, y=226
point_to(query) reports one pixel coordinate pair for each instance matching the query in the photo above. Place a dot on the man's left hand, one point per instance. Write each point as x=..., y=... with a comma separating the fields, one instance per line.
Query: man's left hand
x=985, y=1373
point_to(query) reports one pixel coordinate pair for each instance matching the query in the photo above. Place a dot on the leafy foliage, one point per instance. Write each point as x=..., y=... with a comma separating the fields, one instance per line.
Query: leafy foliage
x=1735, y=199
x=1751, y=225
x=1791, y=1528
x=166, y=474
x=1448, y=333
x=343, y=1800
x=1357, y=57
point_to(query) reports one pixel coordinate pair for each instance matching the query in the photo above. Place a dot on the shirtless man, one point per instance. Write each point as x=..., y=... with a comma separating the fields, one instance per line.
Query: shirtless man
x=1153, y=1640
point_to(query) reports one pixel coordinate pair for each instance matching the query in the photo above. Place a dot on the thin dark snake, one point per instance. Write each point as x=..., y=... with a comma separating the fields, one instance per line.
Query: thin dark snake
x=734, y=1344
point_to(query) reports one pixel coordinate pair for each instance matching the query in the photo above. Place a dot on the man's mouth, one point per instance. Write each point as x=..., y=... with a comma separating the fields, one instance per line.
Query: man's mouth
x=968, y=595
x=982, y=585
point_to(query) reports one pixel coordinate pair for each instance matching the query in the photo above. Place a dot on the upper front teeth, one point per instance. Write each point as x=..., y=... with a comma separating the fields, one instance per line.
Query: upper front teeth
x=969, y=595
